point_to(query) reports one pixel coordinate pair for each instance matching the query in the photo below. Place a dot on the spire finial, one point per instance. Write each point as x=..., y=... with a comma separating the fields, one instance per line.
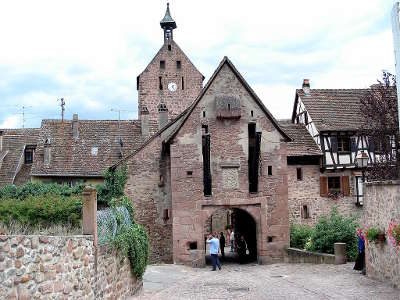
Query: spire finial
x=168, y=24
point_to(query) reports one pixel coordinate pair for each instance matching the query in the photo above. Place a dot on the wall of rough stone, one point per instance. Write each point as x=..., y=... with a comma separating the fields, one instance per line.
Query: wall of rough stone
x=148, y=186
x=229, y=150
x=62, y=267
x=307, y=192
x=382, y=204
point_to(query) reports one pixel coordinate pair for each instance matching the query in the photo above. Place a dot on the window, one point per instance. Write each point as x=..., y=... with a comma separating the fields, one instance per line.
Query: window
x=334, y=184
x=28, y=156
x=165, y=215
x=204, y=113
x=183, y=84
x=178, y=64
x=252, y=113
x=160, y=85
x=299, y=174
x=206, y=164
x=305, y=212
x=189, y=173
x=169, y=48
x=192, y=245
x=204, y=129
x=269, y=170
x=162, y=64
x=343, y=143
x=359, y=190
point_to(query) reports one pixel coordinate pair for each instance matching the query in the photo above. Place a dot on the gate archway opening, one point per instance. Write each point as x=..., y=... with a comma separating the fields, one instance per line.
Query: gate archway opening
x=239, y=221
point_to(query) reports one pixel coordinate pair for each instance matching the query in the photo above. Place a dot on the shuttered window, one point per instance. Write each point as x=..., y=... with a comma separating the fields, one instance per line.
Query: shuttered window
x=206, y=165
x=323, y=186
x=334, y=184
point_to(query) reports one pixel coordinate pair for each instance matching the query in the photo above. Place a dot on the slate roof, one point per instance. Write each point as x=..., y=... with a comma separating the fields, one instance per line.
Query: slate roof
x=74, y=158
x=333, y=109
x=302, y=143
x=12, y=157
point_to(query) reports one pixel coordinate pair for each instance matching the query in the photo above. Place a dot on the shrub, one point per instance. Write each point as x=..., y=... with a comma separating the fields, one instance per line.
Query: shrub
x=39, y=189
x=43, y=210
x=372, y=234
x=113, y=186
x=300, y=235
x=333, y=229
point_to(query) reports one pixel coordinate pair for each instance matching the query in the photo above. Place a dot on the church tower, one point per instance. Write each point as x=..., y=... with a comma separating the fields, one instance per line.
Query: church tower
x=169, y=84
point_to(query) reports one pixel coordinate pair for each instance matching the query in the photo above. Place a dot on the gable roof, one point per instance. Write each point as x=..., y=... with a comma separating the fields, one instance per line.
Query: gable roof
x=226, y=61
x=333, y=109
x=12, y=156
x=302, y=143
x=161, y=49
x=73, y=157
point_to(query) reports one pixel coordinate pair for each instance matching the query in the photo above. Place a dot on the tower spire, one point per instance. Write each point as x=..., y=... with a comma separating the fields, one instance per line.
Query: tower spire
x=168, y=24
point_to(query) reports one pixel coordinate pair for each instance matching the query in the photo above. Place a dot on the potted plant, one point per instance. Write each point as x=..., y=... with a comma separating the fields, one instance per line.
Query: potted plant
x=393, y=233
x=375, y=235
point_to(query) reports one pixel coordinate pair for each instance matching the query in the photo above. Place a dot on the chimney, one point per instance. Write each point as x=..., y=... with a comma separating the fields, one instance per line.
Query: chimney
x=144, y=119
x=162, y=115
x=1, y=140
x=47, y=153
x=306, y=86
x=75, y=127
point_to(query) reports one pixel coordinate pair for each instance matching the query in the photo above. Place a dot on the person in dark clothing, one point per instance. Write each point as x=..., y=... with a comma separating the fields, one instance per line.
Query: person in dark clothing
x=222, y=244
x=241, y=247
x=360, y=261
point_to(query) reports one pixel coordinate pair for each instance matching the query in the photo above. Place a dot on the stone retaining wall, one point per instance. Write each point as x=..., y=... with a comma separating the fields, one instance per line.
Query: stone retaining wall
x=382, y=204
x=62, y=267
x=301, y=256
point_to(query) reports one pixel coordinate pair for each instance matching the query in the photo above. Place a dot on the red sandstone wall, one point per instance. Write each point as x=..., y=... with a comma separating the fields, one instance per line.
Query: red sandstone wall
x=229, y=144
x=178, y=101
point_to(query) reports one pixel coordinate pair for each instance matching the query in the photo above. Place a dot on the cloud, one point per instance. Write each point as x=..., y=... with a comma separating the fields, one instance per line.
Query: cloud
x=13, y=121
x=90, y=52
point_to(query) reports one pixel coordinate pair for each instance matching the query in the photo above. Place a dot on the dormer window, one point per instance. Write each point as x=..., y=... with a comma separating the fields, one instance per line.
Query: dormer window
x=28, y=159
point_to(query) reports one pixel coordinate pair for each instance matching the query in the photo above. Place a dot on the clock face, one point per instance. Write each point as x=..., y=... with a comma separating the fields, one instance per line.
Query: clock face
x=172, y=86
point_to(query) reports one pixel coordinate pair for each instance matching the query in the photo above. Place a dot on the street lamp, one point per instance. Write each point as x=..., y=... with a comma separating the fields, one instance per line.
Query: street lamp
x=362, y=162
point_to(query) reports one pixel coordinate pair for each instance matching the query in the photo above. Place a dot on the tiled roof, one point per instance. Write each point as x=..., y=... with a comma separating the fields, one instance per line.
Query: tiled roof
x=96, y=148
x=302, y=144
x=11, y=158
x=334, y=109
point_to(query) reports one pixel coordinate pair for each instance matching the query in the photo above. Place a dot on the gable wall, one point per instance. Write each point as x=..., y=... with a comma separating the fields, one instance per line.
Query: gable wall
x=229, y=144
x=178, y=101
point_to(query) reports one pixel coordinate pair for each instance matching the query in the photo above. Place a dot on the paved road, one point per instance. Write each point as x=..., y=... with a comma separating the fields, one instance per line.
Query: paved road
x=278, y=281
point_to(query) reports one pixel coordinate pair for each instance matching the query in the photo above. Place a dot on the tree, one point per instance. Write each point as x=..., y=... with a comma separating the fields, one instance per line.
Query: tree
x=379, y=109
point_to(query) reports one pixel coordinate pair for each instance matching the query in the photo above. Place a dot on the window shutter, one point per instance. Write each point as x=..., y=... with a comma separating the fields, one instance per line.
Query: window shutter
x=323, y=180
x=345, y=185
x=334, y=144
x=353, y=141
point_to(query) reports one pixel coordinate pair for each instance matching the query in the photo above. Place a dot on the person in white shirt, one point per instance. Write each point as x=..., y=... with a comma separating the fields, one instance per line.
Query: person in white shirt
x=232, y=240
x=214, y=249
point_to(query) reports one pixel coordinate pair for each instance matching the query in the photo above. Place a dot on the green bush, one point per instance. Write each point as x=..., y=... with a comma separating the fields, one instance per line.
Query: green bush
x=39, y=189
x=113, y=186
x=300, y=235
x=42, y=210
x=372, y=234
x=333, y=229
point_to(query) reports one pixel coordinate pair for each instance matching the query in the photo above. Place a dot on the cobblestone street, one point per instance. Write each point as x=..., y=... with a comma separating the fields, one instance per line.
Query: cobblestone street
x=278, y=281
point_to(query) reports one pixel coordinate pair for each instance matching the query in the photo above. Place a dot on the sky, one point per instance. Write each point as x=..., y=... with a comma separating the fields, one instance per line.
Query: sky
x=90, y=52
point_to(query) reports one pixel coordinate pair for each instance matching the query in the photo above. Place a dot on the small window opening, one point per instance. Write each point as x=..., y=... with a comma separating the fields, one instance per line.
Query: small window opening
x=189, y=173
x=270, y=239
x=299, y=174
x=169, y=47
x=178, y=64
x=183, y=84
x=162, y=64
x=160, y=85
x=28, y=156
x=192, y=245
x=204, y=113
x=305, y=213
x=252, y=113
x=165, y=214
x=229, y=106
x=204, y=129
x=269, y=170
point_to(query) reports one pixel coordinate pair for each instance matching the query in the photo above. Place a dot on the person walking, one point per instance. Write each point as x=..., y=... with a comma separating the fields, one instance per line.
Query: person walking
x=232, y=240
x=214, y=249
x=222, y=244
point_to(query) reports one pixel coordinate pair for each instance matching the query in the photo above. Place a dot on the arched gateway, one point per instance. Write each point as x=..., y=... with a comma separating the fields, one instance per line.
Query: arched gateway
x=238, y=219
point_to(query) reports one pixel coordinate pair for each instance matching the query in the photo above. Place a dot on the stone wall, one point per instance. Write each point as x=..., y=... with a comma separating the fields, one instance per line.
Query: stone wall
x=382, y=204
x=62, y=267
x=307, y=192
x=301, y=256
